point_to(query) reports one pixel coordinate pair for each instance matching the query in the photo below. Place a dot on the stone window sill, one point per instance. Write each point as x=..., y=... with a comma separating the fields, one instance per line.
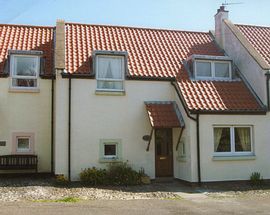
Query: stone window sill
x=110, y=93
x=24, y=90
x=234, y=158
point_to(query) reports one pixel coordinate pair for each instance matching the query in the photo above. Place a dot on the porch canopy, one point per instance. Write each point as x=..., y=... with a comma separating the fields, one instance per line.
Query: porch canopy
x=164, y=114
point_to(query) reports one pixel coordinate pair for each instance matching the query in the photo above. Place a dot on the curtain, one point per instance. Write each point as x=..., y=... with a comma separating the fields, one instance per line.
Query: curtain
x=110, y=68
x=244, y=138
x=217, y=137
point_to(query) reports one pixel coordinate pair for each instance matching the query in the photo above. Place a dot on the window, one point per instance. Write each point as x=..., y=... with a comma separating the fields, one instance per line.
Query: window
x=212, y=69
x=23, y=143
x=110, y=149
x=110, y=70
x=24, y=71
x=234, y=140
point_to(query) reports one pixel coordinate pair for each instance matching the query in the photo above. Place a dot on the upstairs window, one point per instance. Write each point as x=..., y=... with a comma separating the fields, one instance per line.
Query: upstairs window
x=24, y=71
x=110, y=71
x=212, y=69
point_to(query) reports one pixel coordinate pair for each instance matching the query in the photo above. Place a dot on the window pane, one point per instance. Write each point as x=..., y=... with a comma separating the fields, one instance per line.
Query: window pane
x=203, y=69
x=113, y=85
x=110, y=149
x=222, y=70
x=23, y=144
x=110, y=67
x=24, y=82
x=222, y=140
x=25, y=66
x=242, y=139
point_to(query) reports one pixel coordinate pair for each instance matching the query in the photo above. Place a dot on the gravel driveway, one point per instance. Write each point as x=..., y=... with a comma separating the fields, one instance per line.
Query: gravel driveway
x=36, y=189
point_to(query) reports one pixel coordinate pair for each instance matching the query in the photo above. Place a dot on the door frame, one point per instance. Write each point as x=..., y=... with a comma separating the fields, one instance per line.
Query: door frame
x=172, y=154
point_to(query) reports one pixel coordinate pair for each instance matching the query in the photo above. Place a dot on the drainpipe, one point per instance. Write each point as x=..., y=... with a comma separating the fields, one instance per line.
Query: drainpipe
x=69, y=127
x=198, y=148
x=52, y=127
x=197, y=129
x=267, y=88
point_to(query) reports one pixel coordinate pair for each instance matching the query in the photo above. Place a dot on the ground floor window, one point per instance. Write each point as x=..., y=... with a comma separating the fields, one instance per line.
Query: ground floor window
x=23, y=143
x=234, y=140
x=110, y=149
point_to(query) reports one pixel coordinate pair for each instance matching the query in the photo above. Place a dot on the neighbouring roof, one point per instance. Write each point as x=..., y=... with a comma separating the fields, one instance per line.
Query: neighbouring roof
x=164, y=114
x=259, y=37
x=22, y=37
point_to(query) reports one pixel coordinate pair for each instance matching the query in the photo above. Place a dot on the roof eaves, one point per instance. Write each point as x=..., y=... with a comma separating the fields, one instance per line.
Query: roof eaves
x=230, y=112
x=247, y=45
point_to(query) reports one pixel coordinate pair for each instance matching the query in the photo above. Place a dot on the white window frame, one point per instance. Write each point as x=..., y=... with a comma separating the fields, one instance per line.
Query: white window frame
x=14, y=76
x=232, y=140
x=213, y=76
x=16, y=136
x=111, y=79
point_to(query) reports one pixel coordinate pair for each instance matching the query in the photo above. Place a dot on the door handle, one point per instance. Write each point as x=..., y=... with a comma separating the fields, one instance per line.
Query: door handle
x=162, y=158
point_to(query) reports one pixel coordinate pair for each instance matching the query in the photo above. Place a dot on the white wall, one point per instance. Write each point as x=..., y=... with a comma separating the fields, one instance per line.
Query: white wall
x=96, y=117
x=27, y=112
x=234, y=170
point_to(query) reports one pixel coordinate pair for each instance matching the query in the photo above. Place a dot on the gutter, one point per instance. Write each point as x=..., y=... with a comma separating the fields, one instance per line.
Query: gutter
x=197, y=121
x=69, y=128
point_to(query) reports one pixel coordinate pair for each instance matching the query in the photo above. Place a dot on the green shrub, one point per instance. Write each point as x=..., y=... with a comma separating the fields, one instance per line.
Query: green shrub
x=256, y=179
x=123, y=174
x=94, y=176
x=116, y=174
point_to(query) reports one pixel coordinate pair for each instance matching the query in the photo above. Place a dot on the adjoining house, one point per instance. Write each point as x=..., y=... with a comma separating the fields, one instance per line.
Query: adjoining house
x=176, y=103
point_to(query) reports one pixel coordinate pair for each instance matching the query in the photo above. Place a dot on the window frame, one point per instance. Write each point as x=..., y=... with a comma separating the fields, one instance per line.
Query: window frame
x=14, y=76
x=232, y=141
x=118, y=150
x=213, y=71
x=16, y=136
x=117, y=54
x=17, y=144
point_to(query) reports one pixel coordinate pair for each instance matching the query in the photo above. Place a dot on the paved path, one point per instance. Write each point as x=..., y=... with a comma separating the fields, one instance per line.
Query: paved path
x=185, y=206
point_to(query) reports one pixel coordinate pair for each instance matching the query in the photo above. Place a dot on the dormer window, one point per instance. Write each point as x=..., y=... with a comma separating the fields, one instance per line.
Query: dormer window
x=212, y=69
x=24, y=69
x=110, y=70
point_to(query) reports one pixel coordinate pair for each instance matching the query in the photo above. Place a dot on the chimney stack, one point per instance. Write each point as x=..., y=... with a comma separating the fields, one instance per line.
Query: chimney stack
x=59, y=58
x=219, y=25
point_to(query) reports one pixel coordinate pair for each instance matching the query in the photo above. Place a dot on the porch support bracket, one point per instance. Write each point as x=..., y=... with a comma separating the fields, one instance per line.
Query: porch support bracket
x=149, y=141
x=179, y=138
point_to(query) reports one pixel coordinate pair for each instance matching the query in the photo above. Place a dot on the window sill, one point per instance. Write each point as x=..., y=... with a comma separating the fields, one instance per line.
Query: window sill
x=234, y=158
x=110, y=160
x=24, y=90
x=110, y=93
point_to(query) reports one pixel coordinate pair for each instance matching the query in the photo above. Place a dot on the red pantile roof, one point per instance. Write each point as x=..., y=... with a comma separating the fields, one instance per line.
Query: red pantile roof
x=217, y=96
x=151, y=52
x=259, y=37
x=21, y=37
x=155, y=53
x=163, y=115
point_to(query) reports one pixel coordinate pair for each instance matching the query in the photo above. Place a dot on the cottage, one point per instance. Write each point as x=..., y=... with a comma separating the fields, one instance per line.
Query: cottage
x=179, y=104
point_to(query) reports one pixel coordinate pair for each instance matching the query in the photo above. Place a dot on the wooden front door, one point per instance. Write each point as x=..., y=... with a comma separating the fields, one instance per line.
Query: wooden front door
x=164, y=152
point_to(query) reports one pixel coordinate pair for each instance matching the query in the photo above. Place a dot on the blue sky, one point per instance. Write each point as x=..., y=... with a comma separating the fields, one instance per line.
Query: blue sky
x=170, y=14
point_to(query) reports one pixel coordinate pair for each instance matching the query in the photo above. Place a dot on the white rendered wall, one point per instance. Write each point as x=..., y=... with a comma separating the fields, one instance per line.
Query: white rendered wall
x=27, y=112
x=95, y=117
x=212, y=170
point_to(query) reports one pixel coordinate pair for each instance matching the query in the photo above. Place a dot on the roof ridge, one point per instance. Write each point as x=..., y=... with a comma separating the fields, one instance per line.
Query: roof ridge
x=250, y=25
x=135, y=27
x=29, y=26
